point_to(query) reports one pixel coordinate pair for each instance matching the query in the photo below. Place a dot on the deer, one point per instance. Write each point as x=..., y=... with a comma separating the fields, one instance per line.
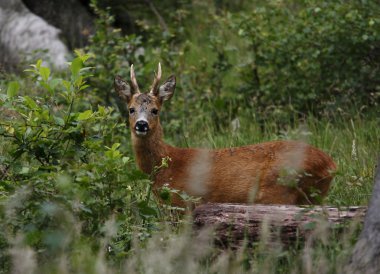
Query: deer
x=274, y=172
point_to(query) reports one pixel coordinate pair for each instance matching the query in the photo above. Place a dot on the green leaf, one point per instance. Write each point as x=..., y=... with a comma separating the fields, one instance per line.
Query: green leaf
x=3, y=97
x=38, y=64
x=54, y=82
x=67, y=85
x=85, y=115
x=28, y=131
x=24, y=170
x=101, y=110
x=115, y=146
x=84, y=87
x=13, y=88
x=59, y=121
x=165, y=194
x=82, y=56
x=79, y=81
x=45, y=73
x=125, y=160
x=76, y=65
x=47, y=86
x=146, y=210
x=29, y=102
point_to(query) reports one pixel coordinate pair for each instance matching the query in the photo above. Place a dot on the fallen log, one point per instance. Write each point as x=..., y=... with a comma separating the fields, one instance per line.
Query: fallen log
x=234, y=223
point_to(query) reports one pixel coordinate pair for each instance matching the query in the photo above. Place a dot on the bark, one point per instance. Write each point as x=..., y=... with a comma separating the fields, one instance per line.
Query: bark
x=234, y=223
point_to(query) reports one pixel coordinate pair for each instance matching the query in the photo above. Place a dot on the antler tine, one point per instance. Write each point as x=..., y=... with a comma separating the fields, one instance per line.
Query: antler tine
x=134, y=81
x=156, y=80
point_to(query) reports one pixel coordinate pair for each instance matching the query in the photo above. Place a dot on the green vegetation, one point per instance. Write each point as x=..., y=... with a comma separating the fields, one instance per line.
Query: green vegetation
x=71, y=198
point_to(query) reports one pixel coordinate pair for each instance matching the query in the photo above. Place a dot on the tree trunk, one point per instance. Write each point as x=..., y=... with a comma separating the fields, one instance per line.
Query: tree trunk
x=233, y=223
x=366, y=255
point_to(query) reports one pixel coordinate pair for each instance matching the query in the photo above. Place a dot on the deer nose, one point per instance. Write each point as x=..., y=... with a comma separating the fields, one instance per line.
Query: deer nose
x=142, y=126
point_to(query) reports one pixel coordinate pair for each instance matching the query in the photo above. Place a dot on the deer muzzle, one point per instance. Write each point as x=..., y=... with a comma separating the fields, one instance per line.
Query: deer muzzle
x=141, y=127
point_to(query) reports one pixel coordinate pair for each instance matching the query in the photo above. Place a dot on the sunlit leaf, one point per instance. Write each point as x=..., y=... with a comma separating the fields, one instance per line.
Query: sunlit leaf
x=59, y=121
x=85, y=115
x=76, y=65
x=45, y=73
x=30, y=102
x=13, y=88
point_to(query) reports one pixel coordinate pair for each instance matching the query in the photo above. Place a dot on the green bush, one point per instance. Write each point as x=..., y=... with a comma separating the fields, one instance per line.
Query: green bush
x=63, y=166
x=313, y=55
x=112, y=53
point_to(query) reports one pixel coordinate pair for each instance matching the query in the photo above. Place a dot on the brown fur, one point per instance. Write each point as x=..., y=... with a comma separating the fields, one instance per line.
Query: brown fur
x=280, y=172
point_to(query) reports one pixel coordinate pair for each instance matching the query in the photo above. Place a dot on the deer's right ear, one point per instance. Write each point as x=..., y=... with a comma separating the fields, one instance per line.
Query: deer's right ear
x=123, y=89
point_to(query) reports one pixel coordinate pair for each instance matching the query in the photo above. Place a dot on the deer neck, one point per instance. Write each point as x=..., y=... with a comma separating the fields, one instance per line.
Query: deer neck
x=150, y=150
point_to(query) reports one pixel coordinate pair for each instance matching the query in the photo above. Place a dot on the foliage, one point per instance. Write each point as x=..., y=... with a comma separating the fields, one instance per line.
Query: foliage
x=311, y=51
x=112, y=54
x=52, y=176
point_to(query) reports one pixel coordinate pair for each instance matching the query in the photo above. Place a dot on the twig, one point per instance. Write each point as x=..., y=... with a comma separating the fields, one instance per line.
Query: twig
x=161, y=20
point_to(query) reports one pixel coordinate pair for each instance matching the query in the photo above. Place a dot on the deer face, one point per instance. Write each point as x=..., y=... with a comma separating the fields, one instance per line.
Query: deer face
x=144, y=108
x=143, y=113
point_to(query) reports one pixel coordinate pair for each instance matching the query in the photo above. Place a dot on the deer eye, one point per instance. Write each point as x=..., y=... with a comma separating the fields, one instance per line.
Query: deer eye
x=131, y=110
x=154, y=111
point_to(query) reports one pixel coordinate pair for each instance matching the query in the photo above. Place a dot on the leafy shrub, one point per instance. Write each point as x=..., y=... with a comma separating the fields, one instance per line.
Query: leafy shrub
x=112, y=53
x=52, y=178
x=311, y=54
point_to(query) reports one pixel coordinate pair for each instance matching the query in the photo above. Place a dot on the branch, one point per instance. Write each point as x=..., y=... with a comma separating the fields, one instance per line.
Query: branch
x=161, y=20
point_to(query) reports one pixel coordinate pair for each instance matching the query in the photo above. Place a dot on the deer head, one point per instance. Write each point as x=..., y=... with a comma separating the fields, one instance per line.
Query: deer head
x=144, y=108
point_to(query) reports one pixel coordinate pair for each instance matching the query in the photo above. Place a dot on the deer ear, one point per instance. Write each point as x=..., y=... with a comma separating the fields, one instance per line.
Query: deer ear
x=123, y=89
x=166, y=91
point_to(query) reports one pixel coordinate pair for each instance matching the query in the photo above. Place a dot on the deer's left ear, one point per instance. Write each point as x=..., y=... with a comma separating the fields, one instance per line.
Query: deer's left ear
x=166, y=91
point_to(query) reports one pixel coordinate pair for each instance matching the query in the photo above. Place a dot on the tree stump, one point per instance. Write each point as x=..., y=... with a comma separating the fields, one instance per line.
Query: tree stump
x=233, y=223
x=366, y=255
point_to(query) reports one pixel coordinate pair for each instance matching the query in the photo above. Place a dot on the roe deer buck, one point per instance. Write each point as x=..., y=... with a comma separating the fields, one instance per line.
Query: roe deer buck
x=254, y=173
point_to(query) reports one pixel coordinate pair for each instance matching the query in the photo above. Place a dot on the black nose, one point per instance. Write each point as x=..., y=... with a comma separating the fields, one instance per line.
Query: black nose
x=142, y=126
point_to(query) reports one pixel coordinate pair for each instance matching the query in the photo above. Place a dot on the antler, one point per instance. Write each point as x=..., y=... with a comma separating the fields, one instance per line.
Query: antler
x=134, y=81
x=156, y=80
